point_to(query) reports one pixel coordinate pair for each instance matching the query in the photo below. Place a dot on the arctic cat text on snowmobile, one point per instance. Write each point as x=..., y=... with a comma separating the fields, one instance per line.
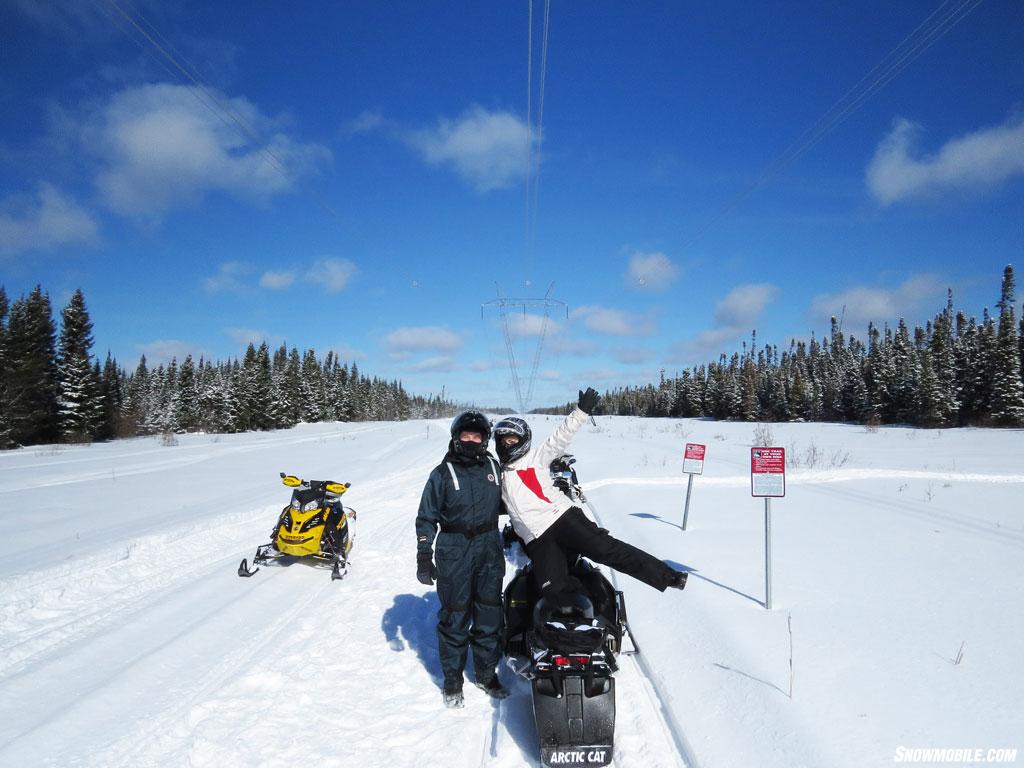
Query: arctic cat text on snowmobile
x=567, y=645
x=315, y=526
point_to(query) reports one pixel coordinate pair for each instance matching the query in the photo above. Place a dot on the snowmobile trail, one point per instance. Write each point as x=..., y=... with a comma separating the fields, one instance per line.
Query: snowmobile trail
x=163, y=729
x=64, y=605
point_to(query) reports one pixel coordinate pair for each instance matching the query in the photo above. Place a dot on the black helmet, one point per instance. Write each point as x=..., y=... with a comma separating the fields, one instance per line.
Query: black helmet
x=471, y=421
x=512, y=425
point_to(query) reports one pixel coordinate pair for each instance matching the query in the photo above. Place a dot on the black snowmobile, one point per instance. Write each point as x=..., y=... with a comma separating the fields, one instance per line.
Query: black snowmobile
x=315, y=526
x=567, y=648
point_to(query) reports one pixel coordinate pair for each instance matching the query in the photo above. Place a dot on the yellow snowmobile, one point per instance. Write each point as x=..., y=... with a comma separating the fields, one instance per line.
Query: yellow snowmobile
x=314, y=526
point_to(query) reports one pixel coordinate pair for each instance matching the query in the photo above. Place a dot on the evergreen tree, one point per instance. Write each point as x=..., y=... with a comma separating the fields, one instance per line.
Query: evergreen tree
x=188, y=417
x=31, y=368
x=78, y=388
x=1007, y=388
x=941, y=347
x=5, y=425
x=111, y=400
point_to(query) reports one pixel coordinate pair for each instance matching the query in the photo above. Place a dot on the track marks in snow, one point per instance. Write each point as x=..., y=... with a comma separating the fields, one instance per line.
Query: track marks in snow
x=43, y=611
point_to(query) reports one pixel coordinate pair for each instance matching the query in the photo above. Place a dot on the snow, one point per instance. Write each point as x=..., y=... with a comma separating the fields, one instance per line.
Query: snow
x=127, y=639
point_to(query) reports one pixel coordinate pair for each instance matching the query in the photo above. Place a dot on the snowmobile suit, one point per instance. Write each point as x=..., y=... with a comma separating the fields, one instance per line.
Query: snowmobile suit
x=462, y=497
x=554, y=528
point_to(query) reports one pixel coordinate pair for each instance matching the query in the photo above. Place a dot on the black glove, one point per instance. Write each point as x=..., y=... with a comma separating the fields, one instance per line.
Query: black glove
x=426, y=571
x=588, y=400
x=510, y=537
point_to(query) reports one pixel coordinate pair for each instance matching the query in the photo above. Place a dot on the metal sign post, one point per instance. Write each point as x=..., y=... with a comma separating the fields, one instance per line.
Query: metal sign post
x=693, y=464
x=768, y=479
x=768, y=553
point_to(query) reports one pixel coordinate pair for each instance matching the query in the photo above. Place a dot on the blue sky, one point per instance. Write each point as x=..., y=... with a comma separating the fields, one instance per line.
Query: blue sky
x=363, y=177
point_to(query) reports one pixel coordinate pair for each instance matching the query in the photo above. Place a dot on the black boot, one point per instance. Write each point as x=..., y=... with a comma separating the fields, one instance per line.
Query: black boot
x=452, y=694
x=678, y=580
x=492, y=687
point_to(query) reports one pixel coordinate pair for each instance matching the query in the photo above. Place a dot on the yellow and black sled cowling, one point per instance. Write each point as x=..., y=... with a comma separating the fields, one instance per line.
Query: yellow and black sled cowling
x=315, y=526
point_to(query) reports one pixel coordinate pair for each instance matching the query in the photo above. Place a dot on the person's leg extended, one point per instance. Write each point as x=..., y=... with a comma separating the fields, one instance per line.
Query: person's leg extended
x=580, y=533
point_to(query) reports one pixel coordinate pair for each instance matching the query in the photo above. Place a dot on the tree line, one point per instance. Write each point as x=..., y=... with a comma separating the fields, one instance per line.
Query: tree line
x=954, y=371
x=52, y=389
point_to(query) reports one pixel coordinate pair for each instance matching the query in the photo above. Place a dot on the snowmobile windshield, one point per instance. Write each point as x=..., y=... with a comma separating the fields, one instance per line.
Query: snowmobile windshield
x=307, y=500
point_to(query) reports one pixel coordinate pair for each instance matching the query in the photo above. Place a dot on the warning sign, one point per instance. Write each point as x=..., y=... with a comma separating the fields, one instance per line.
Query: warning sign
x=693, y=459
x=768, y=472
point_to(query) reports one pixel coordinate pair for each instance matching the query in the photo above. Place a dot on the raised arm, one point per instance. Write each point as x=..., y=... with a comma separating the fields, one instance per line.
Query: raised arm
x=559, y=441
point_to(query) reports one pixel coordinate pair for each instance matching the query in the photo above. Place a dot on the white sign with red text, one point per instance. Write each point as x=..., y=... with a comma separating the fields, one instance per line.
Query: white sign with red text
x=768, y=472
x=693, y=459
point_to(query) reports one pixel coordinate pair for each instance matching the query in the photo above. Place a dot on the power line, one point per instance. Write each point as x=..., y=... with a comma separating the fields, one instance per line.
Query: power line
x=540, y=113
x=935, y=26
x=533, y=154
x=529, y=122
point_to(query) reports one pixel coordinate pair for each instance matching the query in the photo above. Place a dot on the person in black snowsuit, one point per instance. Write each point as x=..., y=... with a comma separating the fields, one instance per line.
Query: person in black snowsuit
x=462, y=497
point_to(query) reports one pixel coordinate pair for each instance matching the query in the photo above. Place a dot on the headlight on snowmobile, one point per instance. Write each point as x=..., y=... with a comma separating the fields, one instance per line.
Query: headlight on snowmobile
x=309, y=506
x=296, y=504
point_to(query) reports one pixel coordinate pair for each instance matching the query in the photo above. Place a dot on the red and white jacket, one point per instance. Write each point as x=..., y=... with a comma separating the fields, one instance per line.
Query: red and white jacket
x=533, y=501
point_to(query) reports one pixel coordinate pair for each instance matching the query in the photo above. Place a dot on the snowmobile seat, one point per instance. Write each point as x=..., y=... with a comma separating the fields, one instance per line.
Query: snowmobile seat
x=566, y=622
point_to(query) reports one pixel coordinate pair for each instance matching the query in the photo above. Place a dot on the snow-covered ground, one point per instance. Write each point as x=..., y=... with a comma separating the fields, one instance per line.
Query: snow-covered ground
x=126, y=638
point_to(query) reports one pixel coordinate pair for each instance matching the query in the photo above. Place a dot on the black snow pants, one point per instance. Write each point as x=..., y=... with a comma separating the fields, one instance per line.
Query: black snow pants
x=469, y=576
x=574, y=533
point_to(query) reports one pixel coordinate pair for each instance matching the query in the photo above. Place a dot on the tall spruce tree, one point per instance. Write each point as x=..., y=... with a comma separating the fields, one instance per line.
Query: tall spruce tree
x=5, y=424
x=111, y=399
x=1007, y=388
x=78, y=387
x=32, y=371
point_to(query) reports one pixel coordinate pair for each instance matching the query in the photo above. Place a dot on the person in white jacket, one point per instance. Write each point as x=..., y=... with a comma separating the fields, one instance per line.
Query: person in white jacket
x=548, y=522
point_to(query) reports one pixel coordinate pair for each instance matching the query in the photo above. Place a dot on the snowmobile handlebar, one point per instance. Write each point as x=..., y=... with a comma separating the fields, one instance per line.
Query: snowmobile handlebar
x=332, y=488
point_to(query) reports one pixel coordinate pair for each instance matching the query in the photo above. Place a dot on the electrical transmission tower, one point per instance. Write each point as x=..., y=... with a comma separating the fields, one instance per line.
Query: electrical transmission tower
x=507, y=307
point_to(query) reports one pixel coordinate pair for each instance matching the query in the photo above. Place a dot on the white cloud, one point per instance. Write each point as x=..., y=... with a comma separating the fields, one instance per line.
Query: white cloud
x=403, y=342
x=439, y=364
x=277, y=281
x=550, y=375
x=246, y=336
x=744, y=304
x=488, y=149
x=574, y=347
x=736, y=316
x=332, y=274
x=524, y=325
x=651, y=272
x=978, y=160
x=866, y=304
x=614, y=322
x=634, y=355
x=162, y=148
x=49, y=220
x=162, y=351
x=230, y=276
x=595, y=375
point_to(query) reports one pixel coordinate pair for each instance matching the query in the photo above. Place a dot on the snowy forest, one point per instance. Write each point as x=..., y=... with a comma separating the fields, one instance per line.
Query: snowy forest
x=955, y=371
x=53, y=390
